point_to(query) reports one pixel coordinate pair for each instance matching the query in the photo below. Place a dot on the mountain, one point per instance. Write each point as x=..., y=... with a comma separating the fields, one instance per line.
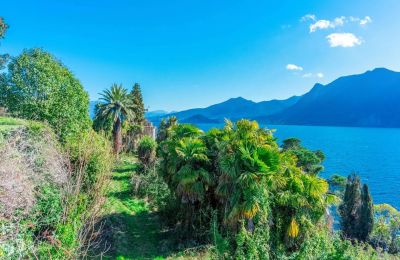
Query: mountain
x=200, y=119
x=156, y=113
x=371, y=99
x=234, y=109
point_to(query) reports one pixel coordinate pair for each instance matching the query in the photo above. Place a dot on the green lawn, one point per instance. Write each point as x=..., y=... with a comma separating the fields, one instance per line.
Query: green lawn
x=131, y=230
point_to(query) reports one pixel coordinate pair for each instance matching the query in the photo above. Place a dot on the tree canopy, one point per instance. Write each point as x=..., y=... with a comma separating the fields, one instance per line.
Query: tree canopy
x=39, y=87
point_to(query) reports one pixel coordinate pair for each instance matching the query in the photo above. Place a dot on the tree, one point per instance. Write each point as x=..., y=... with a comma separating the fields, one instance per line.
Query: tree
x=366, y=214
x=291, y=143
x=349, y=209
x=310, y=161
x=115, y=105
x=139, y=109
x=39, y=87
x=3, y=29
x=386, y=228
x=356, y=210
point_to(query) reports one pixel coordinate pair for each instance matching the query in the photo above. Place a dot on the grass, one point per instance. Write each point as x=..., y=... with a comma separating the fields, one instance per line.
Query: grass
x=131, y=230
x=8, y=123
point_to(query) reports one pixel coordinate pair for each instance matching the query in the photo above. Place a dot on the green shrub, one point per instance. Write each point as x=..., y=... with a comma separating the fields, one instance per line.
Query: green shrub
x=147, y=152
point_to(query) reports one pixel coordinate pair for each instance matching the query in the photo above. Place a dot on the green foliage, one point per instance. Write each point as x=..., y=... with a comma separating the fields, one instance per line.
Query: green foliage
x=139, y=109
x=386, y=229
x=263, y=200
x=39, y=87
x=291, y=143
x=147, y=152
x=337, y=180
x=366, y=214
x=115, y=107
x=310, y=161
x=356, y=210
x=3, y=28
x=90, y=154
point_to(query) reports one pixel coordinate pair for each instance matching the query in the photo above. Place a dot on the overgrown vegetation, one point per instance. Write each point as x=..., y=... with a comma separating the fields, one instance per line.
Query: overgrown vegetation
x=230, y=193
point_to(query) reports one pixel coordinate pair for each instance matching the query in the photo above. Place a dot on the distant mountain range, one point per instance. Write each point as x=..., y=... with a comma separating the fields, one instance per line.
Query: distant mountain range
x=234, y=109
x=371, y=99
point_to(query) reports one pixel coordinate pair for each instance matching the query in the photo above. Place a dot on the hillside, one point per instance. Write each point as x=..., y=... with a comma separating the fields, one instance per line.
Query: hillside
x=364, y=100
x=234, y=109
x=370, y=99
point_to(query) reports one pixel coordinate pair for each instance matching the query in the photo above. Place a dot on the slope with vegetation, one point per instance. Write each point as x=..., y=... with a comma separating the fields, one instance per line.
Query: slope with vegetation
x=230, y=193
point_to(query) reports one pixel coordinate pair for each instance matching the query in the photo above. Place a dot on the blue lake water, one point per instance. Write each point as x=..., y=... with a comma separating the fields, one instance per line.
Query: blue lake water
x=373, y=153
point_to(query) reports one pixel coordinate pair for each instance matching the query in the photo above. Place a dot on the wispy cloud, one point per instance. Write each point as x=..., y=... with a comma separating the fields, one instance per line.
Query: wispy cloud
x=307, y=17
x=294, y=67
x=325, y=24
x=366, y=20
x=343, y=40
x=313, y=75
x=322, y=24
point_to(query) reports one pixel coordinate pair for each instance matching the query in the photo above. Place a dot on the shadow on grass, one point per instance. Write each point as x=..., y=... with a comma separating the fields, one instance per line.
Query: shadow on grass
x=125, y=168
x=138, y=236
x=121, y=177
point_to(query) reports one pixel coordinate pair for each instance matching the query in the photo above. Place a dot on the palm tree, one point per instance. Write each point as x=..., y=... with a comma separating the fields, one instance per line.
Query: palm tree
x=116, y=105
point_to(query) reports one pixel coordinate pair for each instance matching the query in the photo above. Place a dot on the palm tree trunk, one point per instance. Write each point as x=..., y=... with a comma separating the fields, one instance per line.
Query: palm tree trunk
x=117, y=136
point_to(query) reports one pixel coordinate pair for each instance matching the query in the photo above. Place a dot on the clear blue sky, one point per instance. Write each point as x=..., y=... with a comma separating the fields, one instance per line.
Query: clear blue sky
x=193, y=53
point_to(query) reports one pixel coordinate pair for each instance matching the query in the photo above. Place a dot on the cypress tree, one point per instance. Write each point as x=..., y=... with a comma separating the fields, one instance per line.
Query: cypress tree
x=138, y=103
x=350, y=208
x=366, y=214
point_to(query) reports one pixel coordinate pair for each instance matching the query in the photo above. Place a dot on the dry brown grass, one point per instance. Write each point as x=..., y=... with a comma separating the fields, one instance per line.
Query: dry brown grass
x=25, y=163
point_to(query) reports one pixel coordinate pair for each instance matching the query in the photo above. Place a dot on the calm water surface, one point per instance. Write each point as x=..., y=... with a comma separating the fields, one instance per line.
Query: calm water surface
x=373, y=153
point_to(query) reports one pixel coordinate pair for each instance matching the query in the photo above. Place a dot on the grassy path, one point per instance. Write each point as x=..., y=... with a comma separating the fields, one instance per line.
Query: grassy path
x=131, y=230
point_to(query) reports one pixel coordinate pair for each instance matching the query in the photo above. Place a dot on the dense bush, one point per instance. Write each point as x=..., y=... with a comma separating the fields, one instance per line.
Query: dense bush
x=147, y=152
x=259, y=200
x=50, y=203
x=39, y=87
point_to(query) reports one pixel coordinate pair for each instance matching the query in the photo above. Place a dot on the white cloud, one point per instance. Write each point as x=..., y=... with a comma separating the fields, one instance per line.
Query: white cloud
x=336, y=22
x=343, y=40
x=307, y=17
x=325, y=24
x=320, y=24
x=366, y=20
x=294, y=67
x=311, y=75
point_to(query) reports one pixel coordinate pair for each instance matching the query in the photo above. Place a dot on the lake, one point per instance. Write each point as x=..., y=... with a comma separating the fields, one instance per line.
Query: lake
x=373, y=153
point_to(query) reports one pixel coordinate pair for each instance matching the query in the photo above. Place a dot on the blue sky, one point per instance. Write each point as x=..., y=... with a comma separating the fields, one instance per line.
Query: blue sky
x=195, y=53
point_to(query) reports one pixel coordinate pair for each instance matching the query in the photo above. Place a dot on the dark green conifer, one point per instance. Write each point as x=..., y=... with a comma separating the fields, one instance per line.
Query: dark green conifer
x=366, y=214
x=138, y=104
x=350, y=208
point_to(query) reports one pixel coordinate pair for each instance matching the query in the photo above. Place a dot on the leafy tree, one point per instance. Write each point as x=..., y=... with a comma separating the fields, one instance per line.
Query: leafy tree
x=291, y=143
x=116, y=106
x=386, y=228
x=310, y=161
x=366, y=214
x=162, y=133
x=3, y=29
x=139, y=109
x=40, y=87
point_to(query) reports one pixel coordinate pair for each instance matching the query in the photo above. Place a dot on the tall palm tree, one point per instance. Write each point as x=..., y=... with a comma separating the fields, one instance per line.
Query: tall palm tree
x=116, y=105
